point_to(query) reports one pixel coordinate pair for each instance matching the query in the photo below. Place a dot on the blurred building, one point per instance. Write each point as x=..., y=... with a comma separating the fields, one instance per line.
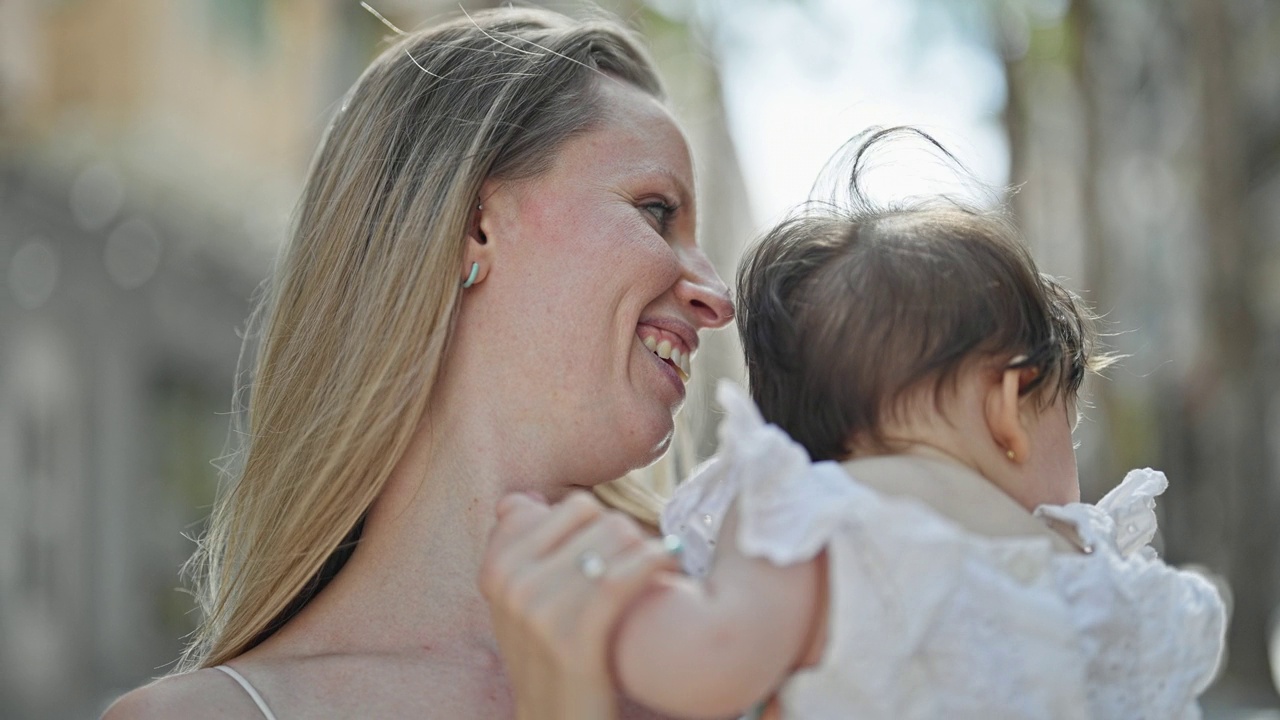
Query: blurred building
x=150, y=153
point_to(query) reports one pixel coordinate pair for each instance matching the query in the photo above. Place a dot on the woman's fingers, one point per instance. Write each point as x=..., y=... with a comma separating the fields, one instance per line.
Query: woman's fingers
x=572, y=611
x=556, y=588
x=527, y=530
x=558, y=579
x=565, y=519
x=517, y=515
x=630, y=573
x=628, y=567
x=519, y=502
x=604, y=538
x=564, y=566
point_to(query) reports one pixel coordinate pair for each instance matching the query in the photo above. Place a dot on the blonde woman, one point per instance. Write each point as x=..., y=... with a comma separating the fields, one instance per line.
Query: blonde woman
x=493, y=285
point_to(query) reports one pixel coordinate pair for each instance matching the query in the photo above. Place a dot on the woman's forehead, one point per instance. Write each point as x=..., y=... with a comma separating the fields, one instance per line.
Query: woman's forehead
x=639, y=134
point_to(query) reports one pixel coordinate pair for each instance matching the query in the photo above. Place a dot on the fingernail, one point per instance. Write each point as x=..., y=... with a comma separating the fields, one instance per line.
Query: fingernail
x=505, y=503
x=502, y=506
x=672, y=544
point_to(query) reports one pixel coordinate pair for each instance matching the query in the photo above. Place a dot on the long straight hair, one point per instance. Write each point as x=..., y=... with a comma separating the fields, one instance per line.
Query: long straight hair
x=351, y=335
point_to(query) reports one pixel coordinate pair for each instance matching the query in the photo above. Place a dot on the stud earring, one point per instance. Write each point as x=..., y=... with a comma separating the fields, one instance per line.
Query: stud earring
x=1009, y=454
x=471, y=279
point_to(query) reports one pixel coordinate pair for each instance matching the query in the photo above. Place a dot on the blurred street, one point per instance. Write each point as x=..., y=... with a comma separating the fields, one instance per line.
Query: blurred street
x=151, y=154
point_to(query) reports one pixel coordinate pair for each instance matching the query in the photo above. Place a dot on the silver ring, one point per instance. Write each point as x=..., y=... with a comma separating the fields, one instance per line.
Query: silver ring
x=591, y=564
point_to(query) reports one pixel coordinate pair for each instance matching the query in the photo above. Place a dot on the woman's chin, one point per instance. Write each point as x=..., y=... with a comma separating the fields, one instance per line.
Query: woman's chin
x=657, y=432
x=648, y=441
x=662, y=446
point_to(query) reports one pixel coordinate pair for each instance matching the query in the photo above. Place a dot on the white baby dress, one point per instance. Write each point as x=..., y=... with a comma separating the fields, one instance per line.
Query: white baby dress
x=928, y=620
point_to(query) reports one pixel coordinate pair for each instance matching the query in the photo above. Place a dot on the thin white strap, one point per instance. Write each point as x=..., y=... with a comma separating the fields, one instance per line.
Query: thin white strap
x=253, y=693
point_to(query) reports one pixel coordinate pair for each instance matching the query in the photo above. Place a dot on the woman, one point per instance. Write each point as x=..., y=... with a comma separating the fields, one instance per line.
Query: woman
x=497, y=228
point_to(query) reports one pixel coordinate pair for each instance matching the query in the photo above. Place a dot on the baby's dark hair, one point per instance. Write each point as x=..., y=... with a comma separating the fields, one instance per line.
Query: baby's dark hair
x=843, y=311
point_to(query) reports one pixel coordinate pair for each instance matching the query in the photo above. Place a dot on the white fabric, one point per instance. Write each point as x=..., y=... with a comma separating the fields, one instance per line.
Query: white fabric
x=248, y=688
x=928, y=620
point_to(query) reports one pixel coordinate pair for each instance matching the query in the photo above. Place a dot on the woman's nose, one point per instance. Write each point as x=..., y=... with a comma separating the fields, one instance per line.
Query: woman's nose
x=703, y=292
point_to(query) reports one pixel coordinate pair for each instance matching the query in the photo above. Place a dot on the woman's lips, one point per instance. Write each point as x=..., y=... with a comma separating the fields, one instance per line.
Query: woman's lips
x=669, y=347
x=670, y=371
x=677, y=359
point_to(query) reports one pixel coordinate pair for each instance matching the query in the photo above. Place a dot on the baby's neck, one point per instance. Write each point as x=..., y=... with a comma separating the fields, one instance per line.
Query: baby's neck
x=938, y=453
x=954, y=490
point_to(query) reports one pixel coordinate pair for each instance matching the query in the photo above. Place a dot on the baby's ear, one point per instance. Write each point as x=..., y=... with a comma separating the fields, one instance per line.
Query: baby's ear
x=1004, y=414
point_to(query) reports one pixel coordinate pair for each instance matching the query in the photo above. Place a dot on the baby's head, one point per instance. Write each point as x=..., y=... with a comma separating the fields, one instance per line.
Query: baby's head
x=870, y=330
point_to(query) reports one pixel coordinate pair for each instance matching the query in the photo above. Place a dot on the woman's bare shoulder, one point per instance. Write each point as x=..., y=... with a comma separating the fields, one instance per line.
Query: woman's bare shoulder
x=196, y=695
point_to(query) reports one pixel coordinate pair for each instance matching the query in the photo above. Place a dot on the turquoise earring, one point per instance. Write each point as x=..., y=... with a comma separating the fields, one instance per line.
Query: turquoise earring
x=471, y=279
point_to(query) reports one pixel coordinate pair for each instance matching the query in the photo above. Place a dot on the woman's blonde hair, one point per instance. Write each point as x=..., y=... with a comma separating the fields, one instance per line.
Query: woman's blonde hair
x=351, y=336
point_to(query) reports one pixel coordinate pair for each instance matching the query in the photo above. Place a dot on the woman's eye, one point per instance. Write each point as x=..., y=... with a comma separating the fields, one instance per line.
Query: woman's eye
x=661, y=213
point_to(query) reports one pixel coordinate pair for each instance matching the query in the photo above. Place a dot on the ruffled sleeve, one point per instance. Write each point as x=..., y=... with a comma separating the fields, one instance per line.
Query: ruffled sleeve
x=1164, y=625
x=695, y=512
x=788, y=505
x=1125, y=518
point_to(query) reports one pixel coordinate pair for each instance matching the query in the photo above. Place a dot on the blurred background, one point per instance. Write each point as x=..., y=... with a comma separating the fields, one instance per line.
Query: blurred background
x=151, y=152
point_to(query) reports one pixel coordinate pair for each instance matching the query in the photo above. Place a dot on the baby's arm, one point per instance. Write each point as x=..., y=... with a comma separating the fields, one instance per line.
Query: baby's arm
x=714, y=648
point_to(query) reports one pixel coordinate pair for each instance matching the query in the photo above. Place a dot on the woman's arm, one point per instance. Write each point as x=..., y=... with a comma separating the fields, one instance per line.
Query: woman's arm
x=551, y=620
x=716, y=648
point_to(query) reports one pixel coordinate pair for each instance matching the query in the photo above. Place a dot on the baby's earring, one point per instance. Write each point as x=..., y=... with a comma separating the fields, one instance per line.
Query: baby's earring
x=1012, y=457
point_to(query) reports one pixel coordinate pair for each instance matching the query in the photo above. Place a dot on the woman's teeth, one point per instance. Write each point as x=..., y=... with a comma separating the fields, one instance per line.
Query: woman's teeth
x=665, y=351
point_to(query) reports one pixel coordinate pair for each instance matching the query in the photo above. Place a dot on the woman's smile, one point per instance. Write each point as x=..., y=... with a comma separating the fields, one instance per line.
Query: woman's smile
x=674, y=348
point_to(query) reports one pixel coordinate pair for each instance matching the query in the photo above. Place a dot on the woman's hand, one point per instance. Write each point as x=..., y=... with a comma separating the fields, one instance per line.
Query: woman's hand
x=557, y=579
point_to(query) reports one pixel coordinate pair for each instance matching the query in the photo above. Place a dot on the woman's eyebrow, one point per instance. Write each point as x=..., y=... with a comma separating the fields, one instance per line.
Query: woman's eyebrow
x=683, y=191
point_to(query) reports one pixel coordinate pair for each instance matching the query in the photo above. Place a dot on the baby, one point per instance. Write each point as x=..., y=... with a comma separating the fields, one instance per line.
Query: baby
x=896, y=531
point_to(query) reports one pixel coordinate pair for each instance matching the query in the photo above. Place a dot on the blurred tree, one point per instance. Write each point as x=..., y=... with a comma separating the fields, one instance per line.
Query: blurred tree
x=1147, y=134
x=1217, y=431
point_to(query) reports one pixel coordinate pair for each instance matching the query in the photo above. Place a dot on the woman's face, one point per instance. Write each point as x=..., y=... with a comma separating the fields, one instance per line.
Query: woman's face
x=595, y=273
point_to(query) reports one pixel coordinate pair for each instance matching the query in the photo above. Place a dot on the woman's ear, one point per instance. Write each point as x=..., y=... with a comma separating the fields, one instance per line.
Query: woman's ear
x=1004, y=415
x=477, y=256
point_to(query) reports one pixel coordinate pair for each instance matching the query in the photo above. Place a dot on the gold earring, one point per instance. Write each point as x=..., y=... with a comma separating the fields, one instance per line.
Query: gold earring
x=1009, y=454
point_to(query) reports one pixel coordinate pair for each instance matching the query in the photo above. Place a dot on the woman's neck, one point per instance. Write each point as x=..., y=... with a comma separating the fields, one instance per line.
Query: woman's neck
x=410, y=587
